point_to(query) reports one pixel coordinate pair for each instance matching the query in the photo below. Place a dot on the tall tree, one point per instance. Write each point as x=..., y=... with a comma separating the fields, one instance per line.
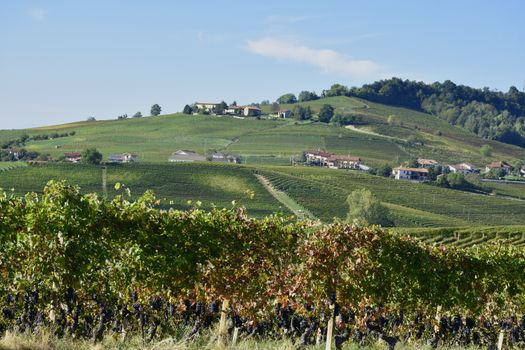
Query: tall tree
x=91, y=156
x=287, y=98
x=155, y=110
x=366, y=209
x=187, y=110
x=326, y=113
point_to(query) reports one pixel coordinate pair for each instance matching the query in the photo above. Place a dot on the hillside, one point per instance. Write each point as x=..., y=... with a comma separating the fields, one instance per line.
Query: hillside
x=274, y=141
x=384, y=134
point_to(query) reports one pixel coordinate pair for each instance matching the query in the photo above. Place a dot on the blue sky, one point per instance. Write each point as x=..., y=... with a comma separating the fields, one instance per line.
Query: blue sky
x=64, y=61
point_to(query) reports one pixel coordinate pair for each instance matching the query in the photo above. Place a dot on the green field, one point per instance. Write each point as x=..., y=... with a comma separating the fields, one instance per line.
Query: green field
x=321, y=191
x=268, y=147
x=274, y=141
x=174, y=184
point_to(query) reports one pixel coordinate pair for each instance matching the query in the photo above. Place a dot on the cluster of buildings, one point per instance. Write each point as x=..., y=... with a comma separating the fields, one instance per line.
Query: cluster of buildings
x=76, y=157
x=186, y=156
x=421, y=172
x=211, y=107
x=247, y=111
x=332, y=161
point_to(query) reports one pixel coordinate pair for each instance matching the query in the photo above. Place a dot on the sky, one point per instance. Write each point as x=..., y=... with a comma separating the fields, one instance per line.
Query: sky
x=65, y=61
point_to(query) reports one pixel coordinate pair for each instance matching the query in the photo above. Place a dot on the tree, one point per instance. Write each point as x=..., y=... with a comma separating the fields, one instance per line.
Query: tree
x=307, y=96
x=274, y=108
x=187, y=110
x=287, y=98
x=155, y=110
x=91, y=119
x=336, y=90
x=485, y=150
x=92, y=156
x=137, y=115
x=366, y=209
x=384, y=170
x=221, y=107
x=326, y=113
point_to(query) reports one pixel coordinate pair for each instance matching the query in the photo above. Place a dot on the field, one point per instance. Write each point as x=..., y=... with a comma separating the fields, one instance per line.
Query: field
x=175, y=185
x=324, y=192
x=320, y=191
x=274, y=141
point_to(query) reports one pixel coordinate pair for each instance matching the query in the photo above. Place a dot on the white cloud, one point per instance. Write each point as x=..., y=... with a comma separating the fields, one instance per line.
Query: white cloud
x=38, y=14
x=328, y=60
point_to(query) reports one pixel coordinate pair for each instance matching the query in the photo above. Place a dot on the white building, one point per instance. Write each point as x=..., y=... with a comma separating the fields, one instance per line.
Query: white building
x=414, y=174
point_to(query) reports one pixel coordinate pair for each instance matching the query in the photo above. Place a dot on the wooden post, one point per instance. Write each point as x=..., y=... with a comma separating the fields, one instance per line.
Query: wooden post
x=500, y=340
x=104, y=181
x=224, y=316
x=235, y=335
x=330, y=328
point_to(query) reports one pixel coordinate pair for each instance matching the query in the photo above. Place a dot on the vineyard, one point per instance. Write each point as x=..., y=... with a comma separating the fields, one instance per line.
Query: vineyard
x=85, y=267
x=411, y=204
x=467, y=237
x=174, y=184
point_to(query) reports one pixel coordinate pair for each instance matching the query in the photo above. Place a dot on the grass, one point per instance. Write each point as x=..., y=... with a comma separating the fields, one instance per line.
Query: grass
x=44, y=340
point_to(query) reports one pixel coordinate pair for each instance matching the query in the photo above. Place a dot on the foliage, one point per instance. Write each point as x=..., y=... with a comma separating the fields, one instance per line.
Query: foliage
x=326, y=113
x=335, y=90
x=187, y=110
x=365, y=209
x=490, y=114
x=307, y=96
x=302, y=113
x=287, y=98
x=384, y=170
x=137, y=115
x=342, y=119
x=91, y=156
x=485, y=150
x=155, y=110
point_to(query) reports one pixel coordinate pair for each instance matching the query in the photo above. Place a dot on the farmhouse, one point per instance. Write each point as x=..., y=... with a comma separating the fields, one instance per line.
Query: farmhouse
x=122, y=158
x=207, y=106
x=426, y=163
x=343, y=162
x=498, y=166
x=522, y=171
x=415, y=174
x=250, y=111
x=330, y=160
x=233, y=110
x=319, y=158
x=186, y=156
x=464, y=168
x=73, y=157
x=225, y=158
x=284, y=113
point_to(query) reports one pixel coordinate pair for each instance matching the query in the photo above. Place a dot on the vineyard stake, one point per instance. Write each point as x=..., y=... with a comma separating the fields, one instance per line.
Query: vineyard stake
x=330, y=328
x=235, y=335
x=500, y=340
x=224, y=314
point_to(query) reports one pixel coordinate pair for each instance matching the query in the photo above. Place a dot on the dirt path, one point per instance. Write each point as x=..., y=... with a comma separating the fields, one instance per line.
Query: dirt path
x=286, y=200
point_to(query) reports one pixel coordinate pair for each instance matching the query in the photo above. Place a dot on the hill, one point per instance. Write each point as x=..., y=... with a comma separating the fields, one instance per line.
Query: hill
x=384, y=134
